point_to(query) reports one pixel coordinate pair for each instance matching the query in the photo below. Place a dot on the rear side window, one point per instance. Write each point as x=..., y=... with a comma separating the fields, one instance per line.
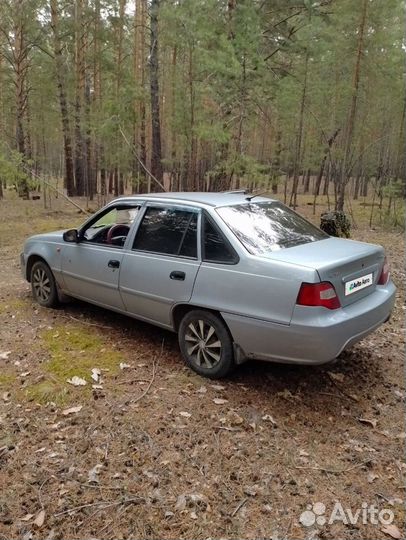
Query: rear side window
x=170, y=231
x=215, y=246
x=269, y=226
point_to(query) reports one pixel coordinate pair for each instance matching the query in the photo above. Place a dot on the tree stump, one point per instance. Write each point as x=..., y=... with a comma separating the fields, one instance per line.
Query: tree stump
x=335, y=224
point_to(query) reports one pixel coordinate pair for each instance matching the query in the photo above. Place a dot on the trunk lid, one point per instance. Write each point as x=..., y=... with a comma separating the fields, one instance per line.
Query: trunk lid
x=352, y=267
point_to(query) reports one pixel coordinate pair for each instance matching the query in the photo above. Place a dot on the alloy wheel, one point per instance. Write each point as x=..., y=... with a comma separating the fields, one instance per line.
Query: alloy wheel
x=41, y=284
x=203, y=344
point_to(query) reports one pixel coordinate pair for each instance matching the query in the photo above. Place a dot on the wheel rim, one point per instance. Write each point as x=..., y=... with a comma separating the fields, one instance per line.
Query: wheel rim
x=41, y=284
x=203, y=344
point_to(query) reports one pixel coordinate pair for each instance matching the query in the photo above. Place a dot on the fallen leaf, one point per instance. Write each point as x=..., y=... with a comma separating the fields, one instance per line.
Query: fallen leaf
x=180, y=503
x=77, y=381
x=287, y=394
x=39, y=520
x=92, y=475
x=339, y=377
x=251, y=490
x=218, y=387
x=372, y=477
x=27, y=517
x=392, y=531
x=193, y=501
x=399, y=394
x=123, y=365
x=219, y=401
x=96, y=374
x=185, y=414
x=97, y=386
x=202, y=390
x=370, y=422
x=72, y=410
x=51, y=535
x=234, y=418
x=4, y=355
x=268, y=418
x=193, y=515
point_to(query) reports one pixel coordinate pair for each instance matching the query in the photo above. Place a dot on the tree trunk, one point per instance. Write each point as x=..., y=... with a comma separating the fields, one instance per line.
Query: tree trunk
x=321, y=171
x=69, y=181
x=293, y=196
x=306, y=182
x=118, y=92
x=193, y=141
x=79, y=96
x=89, y=176
x=98, y=151
x=175, y=168
x=156, y=157
x=20, y=57
x=357, y=185
x=365, y=186
x=345, y=171
x=277, y=162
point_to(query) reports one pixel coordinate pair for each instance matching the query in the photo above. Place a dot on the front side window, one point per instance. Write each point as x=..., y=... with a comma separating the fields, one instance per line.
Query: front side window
x=268, y=226
x=170, y=231
x=112, y=227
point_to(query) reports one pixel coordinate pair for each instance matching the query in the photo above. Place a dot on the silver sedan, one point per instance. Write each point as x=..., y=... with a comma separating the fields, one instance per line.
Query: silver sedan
x=236, y=276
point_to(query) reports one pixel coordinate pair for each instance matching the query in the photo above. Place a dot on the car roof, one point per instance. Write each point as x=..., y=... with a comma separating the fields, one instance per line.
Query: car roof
x=206, y=198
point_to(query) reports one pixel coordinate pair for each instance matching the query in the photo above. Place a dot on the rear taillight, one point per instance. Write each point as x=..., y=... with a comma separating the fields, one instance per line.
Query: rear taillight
x=385, y=273
x=318, y=294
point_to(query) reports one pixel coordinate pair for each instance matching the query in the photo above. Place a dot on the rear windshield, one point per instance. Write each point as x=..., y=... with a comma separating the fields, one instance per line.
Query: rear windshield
x=268, y=226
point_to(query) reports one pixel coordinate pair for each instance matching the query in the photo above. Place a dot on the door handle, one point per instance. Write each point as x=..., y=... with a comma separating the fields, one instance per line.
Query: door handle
x=180, y=276
x=113, y=264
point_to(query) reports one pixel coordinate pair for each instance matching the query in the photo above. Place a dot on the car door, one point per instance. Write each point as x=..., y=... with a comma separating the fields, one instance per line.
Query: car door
x=161, y=267
x=91, y=267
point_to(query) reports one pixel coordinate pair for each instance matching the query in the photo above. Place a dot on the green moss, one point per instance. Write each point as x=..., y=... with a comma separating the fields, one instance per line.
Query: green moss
x=6, y=380
x=73, y=351
x=46, y=391
x=14, y=305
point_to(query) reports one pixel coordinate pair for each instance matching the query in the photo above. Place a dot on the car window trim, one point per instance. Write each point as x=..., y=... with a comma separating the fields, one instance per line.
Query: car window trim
x=211, y=220
x=102, y=212
x=185, y=208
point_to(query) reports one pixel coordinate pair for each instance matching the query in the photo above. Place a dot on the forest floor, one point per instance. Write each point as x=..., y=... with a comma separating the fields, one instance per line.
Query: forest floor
x=155, y=451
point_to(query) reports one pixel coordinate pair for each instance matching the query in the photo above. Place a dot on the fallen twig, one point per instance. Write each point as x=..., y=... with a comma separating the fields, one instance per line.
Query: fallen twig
x=149, y=173
x=154, y=370
x=87, y=322
x=239, y=506
x=333, y=471
x=107, y=504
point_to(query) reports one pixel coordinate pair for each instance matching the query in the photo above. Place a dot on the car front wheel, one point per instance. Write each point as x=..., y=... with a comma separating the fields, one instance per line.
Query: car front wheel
x=43, y=285
x=206, y=344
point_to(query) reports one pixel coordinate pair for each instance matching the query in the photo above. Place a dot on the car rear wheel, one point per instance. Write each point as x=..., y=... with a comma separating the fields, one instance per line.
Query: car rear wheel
x=206, y=344
x=43, y=285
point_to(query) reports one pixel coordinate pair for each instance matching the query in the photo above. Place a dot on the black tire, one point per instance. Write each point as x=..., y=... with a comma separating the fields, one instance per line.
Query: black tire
x=43, y=285
x=206, y=344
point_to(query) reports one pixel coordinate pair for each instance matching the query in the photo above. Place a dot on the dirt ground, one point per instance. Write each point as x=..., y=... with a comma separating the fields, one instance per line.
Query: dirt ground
x=155, y=451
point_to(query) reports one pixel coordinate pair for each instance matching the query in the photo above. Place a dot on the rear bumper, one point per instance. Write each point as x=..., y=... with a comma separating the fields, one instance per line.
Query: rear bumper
x=315, y=335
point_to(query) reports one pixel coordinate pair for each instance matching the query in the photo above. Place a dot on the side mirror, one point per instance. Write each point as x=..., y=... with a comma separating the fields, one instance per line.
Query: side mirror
x=71, y=236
